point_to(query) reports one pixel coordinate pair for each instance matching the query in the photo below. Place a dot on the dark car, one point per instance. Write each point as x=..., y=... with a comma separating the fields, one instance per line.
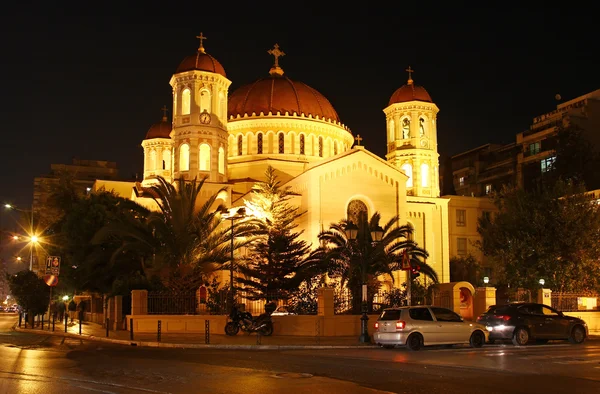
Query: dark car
x=524, y=322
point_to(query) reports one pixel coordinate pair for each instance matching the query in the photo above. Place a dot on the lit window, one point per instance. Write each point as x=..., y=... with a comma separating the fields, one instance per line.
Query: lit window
x=221, y=160
x=488, y=188
x=534, y=148
x=184, y=157
x=204, y=159
x=166, y=158
x=424, y=175
x=152, y=160
x=185, y=101
x=547, y=163
x=461, y=181
x=407, y=168
x=461, y=217
x=461, y=246
x=205, y=101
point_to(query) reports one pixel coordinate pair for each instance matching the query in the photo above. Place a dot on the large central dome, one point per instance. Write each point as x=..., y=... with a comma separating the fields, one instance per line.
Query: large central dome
x=278, y=93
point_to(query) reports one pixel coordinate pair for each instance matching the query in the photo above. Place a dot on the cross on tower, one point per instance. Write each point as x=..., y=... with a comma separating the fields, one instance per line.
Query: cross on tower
x=276, y=53
x=358, y=138
x=164, y=109
x=410, y=71
x=201, y=38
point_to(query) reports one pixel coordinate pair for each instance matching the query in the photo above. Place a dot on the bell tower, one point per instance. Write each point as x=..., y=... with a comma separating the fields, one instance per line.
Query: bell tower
x=411, y=123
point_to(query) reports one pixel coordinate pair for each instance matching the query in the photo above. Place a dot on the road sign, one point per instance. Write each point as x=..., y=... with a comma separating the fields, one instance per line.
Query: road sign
x=405, y=260
x=53, y=265
x=51, y=280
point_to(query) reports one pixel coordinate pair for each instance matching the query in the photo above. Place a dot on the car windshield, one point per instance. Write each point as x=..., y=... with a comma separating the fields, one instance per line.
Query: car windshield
x=390, y=314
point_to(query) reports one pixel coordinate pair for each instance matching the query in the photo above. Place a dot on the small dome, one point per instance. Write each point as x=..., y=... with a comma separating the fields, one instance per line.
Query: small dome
x=410, y=92
x=160, y=129
x=201, y=61
x=277, y=93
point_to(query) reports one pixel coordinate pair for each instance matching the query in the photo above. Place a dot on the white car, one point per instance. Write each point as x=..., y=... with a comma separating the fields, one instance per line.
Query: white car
x=418, y=326
x=282, y=310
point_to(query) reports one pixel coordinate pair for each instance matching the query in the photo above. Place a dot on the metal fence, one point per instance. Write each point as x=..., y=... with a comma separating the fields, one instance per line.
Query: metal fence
x=165, y=303
x=573, y=302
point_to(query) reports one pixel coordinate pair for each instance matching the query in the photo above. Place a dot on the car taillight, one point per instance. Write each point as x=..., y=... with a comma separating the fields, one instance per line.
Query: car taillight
x=400, y=325
x=479, y=318
x=502, y=317
x=376, y=325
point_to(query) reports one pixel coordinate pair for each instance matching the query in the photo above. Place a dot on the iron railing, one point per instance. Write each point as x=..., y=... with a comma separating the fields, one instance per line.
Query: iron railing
x=573, y=302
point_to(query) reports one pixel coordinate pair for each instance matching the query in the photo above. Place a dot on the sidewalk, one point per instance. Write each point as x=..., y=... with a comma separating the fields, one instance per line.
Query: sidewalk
x=95, y=332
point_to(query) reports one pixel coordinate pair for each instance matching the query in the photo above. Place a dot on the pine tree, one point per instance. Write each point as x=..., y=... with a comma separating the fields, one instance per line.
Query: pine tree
x=277, y=264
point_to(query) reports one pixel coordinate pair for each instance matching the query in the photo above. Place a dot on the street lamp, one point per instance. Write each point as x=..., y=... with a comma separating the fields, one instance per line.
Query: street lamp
x=33, y=238
x=486, y=280
x=542, y=282
x=351, y=231
x=233, y=215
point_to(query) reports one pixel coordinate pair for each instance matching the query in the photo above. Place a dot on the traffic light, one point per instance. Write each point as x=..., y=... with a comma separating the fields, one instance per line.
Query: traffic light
x=415, y=271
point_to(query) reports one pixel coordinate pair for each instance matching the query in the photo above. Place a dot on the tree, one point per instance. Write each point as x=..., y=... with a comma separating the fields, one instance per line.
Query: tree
x=31, y=292
x=362, y=261
x=464, y=268
x=276, y=264
x=550, y=233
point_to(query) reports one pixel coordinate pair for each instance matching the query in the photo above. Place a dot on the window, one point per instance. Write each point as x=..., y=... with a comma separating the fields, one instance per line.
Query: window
x=335, y=149
x=407, y=168
x=461, y=181
x=488, y=188
x=421, y=127
x=221, y=160
x=391, y=130
x=281, y=143
x=152, y=160
x=184, y=157
x=302, y=144
x=205, y=101
x=405, y=128
x=461, y=246
x=320, y=146
x=420, y=314
x=204, y=157
x=185, y=101
x=166, y=159
x=547, y=164
x=424, y=175
x=259, y=143
x=534, y=148
x=461, y=217
x=240, y=145
x=443, y=314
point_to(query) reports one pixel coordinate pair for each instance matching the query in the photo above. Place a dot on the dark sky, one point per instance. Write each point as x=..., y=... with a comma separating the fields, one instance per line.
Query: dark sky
x=88, y=82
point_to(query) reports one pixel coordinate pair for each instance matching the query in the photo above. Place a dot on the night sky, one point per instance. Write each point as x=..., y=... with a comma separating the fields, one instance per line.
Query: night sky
x=87, y=80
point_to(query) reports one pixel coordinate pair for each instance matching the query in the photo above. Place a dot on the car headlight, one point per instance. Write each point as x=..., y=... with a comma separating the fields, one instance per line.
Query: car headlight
x=490, y=328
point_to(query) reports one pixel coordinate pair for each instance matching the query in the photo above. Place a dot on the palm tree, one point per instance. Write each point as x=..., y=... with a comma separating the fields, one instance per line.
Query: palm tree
x=362, y=260
x=180, y=243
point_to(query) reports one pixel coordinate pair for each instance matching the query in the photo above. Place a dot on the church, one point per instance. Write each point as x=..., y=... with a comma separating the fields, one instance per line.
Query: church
x=231, y=138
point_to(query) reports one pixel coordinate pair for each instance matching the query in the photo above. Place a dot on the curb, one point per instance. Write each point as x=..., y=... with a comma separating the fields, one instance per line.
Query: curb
x=187, y=346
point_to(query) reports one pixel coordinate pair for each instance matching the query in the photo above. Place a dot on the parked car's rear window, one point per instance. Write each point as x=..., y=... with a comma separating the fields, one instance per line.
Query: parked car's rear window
x=390, y=314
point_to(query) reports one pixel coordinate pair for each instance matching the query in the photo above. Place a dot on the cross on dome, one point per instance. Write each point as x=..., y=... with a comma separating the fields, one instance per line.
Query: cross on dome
x=410, y=71
x=277, y=54
x=358, y=138
x=201, y=38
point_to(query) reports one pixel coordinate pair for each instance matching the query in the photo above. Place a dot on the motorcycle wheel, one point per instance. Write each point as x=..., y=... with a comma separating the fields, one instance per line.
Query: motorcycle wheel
x=267, y=330
x=231, y=329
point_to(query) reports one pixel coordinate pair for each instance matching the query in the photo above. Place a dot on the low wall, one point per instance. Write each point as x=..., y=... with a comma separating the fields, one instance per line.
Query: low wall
x=296, y=325
x=591, y=318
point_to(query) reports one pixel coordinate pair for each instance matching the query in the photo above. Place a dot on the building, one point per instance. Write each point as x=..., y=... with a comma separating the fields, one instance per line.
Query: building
x=233, y=137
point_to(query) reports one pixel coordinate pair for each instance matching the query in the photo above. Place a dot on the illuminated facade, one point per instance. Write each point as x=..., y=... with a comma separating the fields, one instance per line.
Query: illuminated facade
x=231, y=138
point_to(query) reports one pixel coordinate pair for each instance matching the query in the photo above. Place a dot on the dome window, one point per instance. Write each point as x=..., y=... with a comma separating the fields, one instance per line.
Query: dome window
x=259, y=143
x=320, y=146
x=302, y=144
x=240, y=145
x=281, y=143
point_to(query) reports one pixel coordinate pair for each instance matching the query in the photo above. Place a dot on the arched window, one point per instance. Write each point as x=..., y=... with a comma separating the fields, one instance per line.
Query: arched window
x=320, y=146
x=186, y=101
x=391, y=130
x=152, y=160
x=405, y=128
x=355, y=209
x=184, y=157
x=222, y=105
x=421, y=127
x=335, y=150
x=302, y=144
x=240, y=145
x=281, y=143
x=424, y=175
x=259, y=143
x=221, y=160
x=205, y=101
x=166, y=159
x=407, y=168
x=204, y=158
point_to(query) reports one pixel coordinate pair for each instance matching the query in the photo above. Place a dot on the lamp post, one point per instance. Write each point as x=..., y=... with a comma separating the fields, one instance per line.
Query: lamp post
x=376, y=235
x=234, y=214
x=33, y=238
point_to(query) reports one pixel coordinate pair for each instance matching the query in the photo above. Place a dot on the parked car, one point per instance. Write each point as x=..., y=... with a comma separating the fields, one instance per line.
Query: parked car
x=282, y=310
x=418, y=326
x=523, y=322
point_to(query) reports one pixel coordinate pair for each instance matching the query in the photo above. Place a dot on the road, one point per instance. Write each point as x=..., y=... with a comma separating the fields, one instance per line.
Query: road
x=34, y=363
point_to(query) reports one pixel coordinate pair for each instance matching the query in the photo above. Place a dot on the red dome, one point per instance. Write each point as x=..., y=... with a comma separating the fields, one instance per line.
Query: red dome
x=160, y=129
x=201, y=61
x=410, y=92
x=278, y=93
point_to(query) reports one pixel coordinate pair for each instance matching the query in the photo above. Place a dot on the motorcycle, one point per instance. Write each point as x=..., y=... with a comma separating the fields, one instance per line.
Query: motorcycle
x=244, y=321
